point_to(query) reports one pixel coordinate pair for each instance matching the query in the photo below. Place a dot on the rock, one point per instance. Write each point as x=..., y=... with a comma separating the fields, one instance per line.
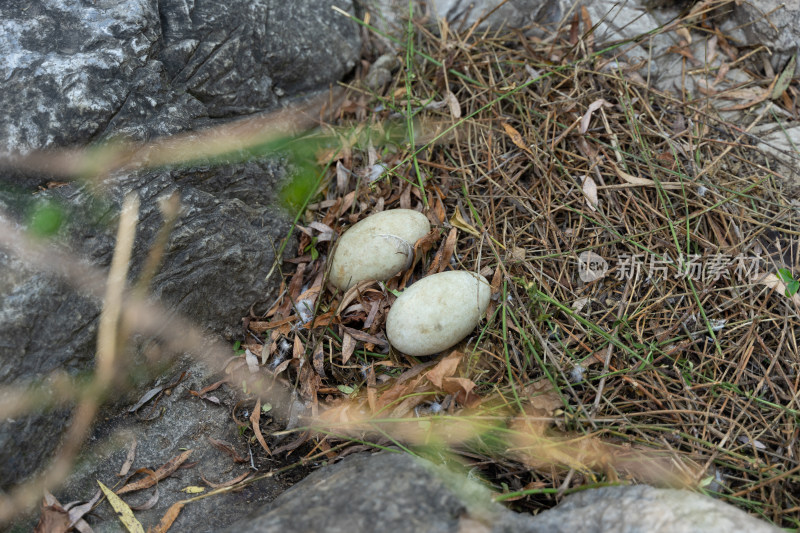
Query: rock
x=645, y=509
x=399, y=493
x=780, y=142
x=377, y=247
x=215, y=266
x=72, y=73
x=773, y=23
x=382, y=492
x=464, y=13
x=436, y=312
x=185, y=422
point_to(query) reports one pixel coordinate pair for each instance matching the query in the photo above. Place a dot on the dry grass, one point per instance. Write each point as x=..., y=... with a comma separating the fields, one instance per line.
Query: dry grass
x=526, y=154
x=683, y=354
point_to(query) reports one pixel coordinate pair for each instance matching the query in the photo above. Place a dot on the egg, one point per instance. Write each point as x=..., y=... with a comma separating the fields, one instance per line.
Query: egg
x=437, y=312
x=377, y=247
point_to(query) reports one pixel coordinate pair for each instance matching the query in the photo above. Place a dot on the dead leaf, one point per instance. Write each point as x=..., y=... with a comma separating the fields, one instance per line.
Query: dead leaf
x=452, y=103
x=588, y=34
x=641, y=182
x=124, y=512
x=318, y=360
x=168, y=518
x=516, y=138
x=255, y=418
x=126, y=466
x=146, y=397
x=164, y=471
x=342, y=177
x=77, y=513
x=543, y=397
x=252, y=361
x=228, y=483
x=683, y=32
x=447, y=251
x=458, y=221
x=365, y=337
x=227, y=448
x=54, y=519
x=461, y=389
x=348, y=347
x=773, y=282
x=444, y=369
x=208, y=388
x=590, y=191
x=260, y=327
x=150, y=503
x=587, y=117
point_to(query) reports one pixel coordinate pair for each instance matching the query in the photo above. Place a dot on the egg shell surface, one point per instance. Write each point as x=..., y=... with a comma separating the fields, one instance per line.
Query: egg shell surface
x=437, y=312
x=377, y=247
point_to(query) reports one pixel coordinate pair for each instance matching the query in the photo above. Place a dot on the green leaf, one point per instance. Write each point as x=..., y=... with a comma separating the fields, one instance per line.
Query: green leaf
x=346, y=389
x=124, y=512
x=266, y=408
x=314, y=254
x=785, y=79
x=792, y=287
x=785, y=275
x=396, y=292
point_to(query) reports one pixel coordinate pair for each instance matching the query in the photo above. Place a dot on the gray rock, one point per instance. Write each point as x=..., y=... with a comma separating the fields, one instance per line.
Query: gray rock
x=72, y=73
x=512, y=14
x=215, y=266
x=773, y=23
x=643, y=509
x=187, y=422
x=395, y=492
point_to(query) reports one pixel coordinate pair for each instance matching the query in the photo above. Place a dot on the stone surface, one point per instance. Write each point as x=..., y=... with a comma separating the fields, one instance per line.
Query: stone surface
x=437, y=312
x=780, y=142
x=377, y=247
x=215, y=266
x=73, y=72
x=395, y=492
x=773, y=23
x=185, y=422
x=643, y=509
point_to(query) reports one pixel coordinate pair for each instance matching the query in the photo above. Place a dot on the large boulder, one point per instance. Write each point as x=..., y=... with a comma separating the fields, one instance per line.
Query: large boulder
x=395, y=492
x=75, y=72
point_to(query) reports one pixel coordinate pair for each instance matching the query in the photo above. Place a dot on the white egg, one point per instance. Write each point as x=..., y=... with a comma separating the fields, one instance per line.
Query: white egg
x=437, y=312
x=377, y=247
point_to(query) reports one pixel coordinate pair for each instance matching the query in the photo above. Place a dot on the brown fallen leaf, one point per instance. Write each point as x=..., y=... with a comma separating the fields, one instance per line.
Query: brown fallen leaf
x=208, y=388
x=54, y=519
x=227, y=448
x=228, y=483
x=516, y=138
x=444, y=369
x=458, y=221
x=164, y=471
x=255, y=418
x=169, y=517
